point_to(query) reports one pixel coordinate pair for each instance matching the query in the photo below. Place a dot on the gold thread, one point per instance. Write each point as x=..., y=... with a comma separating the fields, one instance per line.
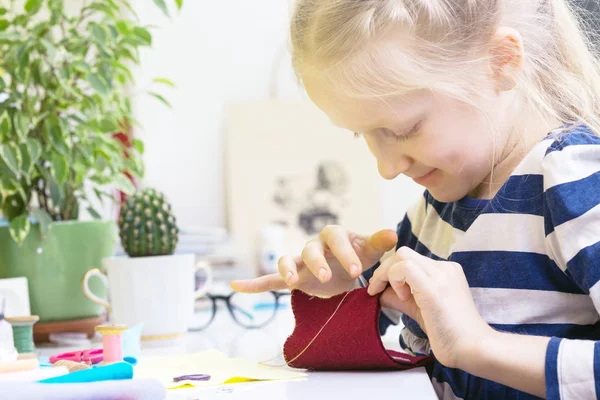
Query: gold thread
x=287, y=363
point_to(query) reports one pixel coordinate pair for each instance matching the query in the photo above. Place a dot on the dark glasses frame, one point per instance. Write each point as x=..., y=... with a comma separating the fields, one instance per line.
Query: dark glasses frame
x=232, y=309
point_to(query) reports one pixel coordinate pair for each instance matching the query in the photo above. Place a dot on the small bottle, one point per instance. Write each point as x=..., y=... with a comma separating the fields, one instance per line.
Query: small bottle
x=272, y=247
x=7, y=344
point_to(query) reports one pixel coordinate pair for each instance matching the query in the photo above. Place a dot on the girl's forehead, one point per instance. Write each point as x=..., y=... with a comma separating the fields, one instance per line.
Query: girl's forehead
x=362, y=114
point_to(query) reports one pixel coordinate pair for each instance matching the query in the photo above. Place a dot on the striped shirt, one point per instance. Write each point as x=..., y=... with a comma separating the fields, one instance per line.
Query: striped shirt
x=531, y=256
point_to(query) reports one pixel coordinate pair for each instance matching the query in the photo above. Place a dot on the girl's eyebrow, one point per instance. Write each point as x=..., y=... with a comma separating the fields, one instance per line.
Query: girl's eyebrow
x=364, y=129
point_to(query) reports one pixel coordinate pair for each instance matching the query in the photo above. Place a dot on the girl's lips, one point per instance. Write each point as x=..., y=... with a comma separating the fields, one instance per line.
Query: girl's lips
x=423, y=180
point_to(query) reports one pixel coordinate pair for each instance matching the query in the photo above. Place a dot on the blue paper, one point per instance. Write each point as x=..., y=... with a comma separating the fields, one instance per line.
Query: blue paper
x=113, y=372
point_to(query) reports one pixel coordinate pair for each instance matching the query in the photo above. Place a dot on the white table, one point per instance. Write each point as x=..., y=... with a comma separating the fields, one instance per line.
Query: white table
x=266, y=344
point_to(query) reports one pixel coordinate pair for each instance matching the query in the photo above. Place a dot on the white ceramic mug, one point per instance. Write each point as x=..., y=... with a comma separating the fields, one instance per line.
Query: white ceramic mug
x=156, y=291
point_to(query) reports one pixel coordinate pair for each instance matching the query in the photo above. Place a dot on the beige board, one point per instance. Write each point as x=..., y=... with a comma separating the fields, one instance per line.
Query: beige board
x=286, y=162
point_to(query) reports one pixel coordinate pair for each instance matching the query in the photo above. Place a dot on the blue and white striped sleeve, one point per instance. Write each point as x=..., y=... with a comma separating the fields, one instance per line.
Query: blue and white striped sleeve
x=572, y=226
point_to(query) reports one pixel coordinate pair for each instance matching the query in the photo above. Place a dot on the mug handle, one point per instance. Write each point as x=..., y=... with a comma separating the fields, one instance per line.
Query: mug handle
x=202, y=265
x=85, y=286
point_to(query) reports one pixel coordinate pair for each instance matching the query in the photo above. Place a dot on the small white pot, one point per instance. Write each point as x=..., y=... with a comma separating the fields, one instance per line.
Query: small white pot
x=156, y=291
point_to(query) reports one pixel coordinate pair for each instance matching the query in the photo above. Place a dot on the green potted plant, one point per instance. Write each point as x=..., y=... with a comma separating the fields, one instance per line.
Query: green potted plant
x=164, y=283
x=63, y=97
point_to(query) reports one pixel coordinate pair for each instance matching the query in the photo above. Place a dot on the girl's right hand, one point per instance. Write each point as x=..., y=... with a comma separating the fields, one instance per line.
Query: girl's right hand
x=329, y=264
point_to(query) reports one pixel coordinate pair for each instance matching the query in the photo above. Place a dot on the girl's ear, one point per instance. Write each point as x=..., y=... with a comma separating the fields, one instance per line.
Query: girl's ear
x=506, y=58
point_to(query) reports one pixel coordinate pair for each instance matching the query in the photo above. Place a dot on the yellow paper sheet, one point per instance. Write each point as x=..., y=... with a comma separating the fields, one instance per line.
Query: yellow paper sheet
x=222, y=369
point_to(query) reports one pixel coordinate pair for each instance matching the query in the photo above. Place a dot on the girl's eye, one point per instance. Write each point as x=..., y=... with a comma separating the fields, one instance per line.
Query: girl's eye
x=388, y=133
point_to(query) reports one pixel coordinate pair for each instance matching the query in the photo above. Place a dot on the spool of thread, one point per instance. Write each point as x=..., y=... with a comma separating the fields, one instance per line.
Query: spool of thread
x=19, y=365
x=112, y=350
x=72, y=366
x=23, y=334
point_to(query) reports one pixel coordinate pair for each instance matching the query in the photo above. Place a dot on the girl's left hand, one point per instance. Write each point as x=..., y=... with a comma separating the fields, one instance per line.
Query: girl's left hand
x=436, y=295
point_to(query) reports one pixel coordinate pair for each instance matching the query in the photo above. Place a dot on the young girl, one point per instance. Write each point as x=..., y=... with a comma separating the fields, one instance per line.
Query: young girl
x=493, y=107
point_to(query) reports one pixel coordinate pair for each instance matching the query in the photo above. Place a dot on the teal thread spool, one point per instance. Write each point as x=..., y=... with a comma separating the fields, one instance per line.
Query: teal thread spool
x=23, y=334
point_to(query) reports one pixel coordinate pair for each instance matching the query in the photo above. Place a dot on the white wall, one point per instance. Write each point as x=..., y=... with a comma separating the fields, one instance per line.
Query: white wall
x=216, y=52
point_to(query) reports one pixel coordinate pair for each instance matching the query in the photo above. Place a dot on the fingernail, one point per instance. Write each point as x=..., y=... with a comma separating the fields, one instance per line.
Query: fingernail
x=289, y=276
x=322, y=274
x=354, y=270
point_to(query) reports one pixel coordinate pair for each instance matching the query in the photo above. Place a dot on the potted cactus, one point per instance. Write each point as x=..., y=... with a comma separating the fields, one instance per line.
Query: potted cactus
x=152, y=285
x=147, y=226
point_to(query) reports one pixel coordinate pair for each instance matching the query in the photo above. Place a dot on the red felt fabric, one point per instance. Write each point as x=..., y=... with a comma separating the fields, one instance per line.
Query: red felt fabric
x=350, y=341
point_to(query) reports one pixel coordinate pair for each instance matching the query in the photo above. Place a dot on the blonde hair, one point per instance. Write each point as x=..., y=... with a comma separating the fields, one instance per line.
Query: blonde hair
x=364, y=45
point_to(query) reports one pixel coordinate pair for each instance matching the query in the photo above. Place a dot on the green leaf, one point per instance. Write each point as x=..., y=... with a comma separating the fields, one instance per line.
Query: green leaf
x=108, y=126
x=135, y=166
x=4, y=24
x=5, y=124
x=64, y=74
x=60, y=168
x=43, y=218
x=37, y=75
x=123, y=183
x=143, y=35
x=95, y=214
x=9, y=36
x=100, y=194
x=161, y=4
x=53, y=134
x=33, y=6
x=50, y=49
x=98, y=33
x=101, y=180
x=126, y=70
x=97, y=83
x=21, y=125
x=161, y=98
x=8, y=185
x=113, y=32
x=56, y=192
x=81, y=66
x=139, y=145
x=10, y=154
x=179, y=4
x=3, y=10
x=23, y=57
x=21, y=20
x=23, y=73
x=38, y=118
x=128, y=55
x=41, y=28
x=123, y=27
x=105, y=70
x=101, y=7
x=27, y=164
x=19, y=228
x=35, y=149
x=24, y=193
x=165, y=81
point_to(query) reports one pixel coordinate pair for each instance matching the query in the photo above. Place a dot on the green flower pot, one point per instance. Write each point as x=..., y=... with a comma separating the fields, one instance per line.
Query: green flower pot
x=55, y=266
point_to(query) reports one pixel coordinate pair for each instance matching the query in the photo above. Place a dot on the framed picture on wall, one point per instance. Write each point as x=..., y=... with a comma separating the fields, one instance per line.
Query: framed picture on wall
x=286, y=164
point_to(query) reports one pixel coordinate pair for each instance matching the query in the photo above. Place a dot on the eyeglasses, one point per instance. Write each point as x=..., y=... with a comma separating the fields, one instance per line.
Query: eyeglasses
x=251, y=311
